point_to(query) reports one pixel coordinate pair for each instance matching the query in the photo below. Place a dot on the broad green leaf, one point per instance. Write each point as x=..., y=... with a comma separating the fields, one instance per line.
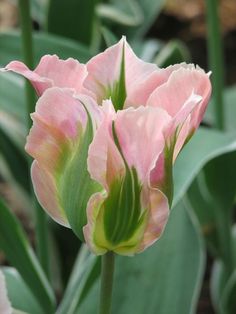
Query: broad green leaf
x=150, y=10
x=15, y=159
x=20, y=296
x=228, y=301
x=126, y=13
x=166, y=278
x=109, y=37
x=229, y=109
x=85, y=273
x=212, y=198
x=205, y=145
x=198, y=197
x=147, y=49
x=12, y=99
x=223, y=286
x=10, y=47
x=173, y=52
x=72, y=19
x=17, y=249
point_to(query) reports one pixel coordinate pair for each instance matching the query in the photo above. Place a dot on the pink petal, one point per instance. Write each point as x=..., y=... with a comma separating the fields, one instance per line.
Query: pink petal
x=58, y=125
x=52, y=71
x=140, y=134
x=104, y=71
x=104, y=160
x=46, y=191
x=58, y=120
x=158, y=208
x=184, y=96
x=181, y=84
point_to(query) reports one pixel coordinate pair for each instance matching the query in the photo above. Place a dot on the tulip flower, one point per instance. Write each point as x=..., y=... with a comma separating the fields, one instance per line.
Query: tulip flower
x=5, y=306
x=105, y=136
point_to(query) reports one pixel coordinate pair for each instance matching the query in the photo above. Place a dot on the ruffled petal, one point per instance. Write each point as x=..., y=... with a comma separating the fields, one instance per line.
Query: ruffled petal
x=130, y=214
x=117, y=63
x=58, y=141
x=52, y=71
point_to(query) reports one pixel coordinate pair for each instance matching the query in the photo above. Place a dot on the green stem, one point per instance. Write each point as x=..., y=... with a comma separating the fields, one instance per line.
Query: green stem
x=108, y=265
x=215, y=55
x=27, y=49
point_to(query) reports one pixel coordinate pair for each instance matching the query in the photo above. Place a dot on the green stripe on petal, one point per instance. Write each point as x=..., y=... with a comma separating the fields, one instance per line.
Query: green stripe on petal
x=123, y=213
x=117, y=92
x=76, y=185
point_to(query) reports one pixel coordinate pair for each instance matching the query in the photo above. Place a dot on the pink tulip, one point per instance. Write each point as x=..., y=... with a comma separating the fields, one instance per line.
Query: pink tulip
x=139, y=117
x=131, y=212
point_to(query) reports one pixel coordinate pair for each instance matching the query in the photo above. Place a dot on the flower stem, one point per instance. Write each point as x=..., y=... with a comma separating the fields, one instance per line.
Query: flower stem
x=108, y=265
x=28, y=57
x=215, y=55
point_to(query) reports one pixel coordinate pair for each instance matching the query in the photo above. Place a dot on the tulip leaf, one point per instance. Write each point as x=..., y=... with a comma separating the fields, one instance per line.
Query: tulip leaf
x=13, y=104
x=15, y=158
x=72, y=19
x=20, y=296
x=17, y=249
x=84, y=274
x=213, y=203
x=173, y=52
x=10, y=47
x=152, y=282
x=222, y=285
x=205, y=145
x=229, y=109
x=127, y=13
x=146, y=9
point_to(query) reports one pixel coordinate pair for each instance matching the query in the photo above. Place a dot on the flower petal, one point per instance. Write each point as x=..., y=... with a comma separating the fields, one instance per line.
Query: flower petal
x=123, y=165
x=158, y=207
x=62, y=130
x=52, y=71
x=105, y=74
x=46, y=191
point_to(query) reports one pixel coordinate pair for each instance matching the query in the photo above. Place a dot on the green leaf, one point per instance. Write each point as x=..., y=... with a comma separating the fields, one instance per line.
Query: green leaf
x=10, y=47
x=149, y=9
x=126, y=13
x=85, y=273
x=12, y=101
x=228, y=298
x=109, y=37
x=222, y=286
x=212, y=201
x=72, y=19
x=17, y=249
x=20, y=296
x=15, y=158
x=173, y=52
x=166, y=278
x=229, y=109
x=205, y=145
x=146, y=49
